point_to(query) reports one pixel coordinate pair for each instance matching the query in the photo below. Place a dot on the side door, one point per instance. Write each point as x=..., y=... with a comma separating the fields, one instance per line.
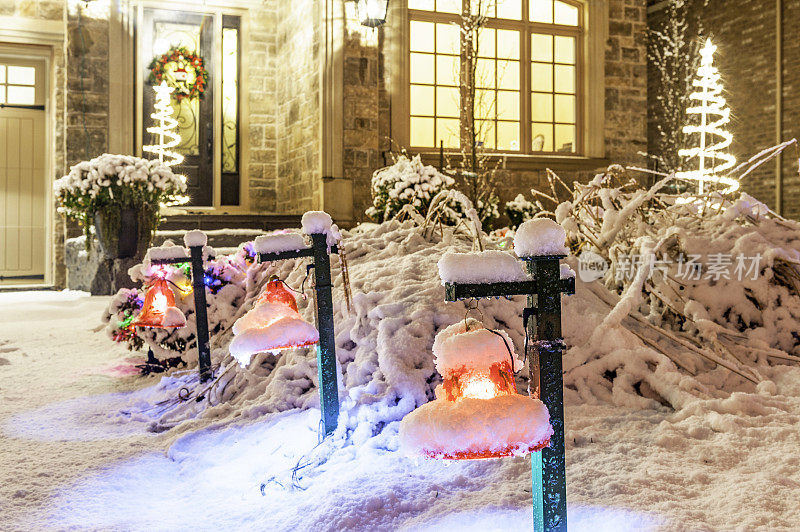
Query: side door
x=22, y=171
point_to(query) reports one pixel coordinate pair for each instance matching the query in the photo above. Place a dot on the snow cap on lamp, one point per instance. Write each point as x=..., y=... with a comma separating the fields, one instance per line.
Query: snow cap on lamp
x=540, y=237
x=195, y=238
x=320, y=222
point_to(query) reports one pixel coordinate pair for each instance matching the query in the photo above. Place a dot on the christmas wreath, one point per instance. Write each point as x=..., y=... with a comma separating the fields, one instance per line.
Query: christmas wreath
x=181, y=69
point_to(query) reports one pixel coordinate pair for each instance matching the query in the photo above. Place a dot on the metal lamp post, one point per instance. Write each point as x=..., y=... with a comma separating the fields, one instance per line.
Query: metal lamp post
x=200, y=306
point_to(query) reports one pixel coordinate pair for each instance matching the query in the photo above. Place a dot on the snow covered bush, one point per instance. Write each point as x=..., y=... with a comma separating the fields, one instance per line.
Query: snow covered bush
x=109, y=183
x=406, y=182
x=704, y=289
x=519, y=210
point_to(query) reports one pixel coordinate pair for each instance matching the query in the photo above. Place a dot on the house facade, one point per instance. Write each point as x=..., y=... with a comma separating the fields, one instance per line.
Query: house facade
x=303, y=103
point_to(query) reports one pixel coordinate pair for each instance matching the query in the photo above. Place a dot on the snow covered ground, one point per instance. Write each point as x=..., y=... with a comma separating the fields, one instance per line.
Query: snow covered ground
x=75, y=455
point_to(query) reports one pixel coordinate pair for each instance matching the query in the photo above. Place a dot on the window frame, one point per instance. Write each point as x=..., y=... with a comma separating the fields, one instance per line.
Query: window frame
x=589, y=90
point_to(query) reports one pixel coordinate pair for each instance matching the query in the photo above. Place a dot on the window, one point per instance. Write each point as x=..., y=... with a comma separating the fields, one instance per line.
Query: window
x=17, y=85
x=527, y=75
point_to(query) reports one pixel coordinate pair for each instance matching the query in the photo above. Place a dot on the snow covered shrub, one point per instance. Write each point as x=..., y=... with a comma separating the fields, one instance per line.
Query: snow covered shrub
x=703, y=289
x=406, y=182
x=519, y=210
x=109, y=183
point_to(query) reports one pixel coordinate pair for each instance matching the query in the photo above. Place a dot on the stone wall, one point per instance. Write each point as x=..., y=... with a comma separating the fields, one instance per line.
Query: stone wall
x=299, y=183
x=626, y=80
x=262, y=64
x=364, y=98
x=87, y=85
x=744, y=32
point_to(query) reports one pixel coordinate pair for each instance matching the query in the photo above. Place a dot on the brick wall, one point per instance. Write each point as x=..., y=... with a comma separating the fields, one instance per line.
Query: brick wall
x=745, y=34
x=791, y=108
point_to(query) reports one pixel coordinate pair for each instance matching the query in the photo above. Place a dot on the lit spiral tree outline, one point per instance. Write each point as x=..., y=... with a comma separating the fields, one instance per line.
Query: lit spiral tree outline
x=165, y=127
x=711, y=103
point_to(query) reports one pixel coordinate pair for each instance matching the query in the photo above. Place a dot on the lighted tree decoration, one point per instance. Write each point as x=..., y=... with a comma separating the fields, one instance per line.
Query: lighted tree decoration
x=164, y=127
x=710, y=153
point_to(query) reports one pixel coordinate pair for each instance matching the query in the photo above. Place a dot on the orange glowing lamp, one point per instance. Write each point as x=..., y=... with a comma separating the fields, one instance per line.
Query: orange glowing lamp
x=477, y=412
x=276, y=292
x=272, y=325
x=159, y=308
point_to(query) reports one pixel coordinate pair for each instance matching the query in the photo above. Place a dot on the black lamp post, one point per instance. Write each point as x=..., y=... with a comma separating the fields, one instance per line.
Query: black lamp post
x=372, y=13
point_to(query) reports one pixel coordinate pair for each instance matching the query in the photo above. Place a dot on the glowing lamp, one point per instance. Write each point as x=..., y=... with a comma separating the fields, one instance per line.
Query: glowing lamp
x=477, y=412
x=372, y=13
x=276, y=292
x=159, y=308
x=272, y=325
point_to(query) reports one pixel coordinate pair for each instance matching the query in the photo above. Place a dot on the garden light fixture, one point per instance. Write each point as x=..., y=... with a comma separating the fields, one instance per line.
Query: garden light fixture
x=159, y=308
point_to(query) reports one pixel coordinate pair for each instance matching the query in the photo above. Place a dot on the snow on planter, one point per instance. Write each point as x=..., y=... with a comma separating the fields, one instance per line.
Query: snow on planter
x=272, y=325
x=279, y=242
x=480, y=267
x=477, y=412
x=538, y=237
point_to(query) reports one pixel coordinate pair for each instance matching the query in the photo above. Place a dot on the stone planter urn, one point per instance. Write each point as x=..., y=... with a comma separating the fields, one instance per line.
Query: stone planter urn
x=124, y=232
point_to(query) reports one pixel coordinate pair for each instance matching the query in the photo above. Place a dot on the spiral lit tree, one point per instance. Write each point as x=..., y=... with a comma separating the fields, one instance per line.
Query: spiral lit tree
x=709, y=104
x=164, y=127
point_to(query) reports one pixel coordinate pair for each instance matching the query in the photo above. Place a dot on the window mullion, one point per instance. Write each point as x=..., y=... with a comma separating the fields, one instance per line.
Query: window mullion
x=525, y=91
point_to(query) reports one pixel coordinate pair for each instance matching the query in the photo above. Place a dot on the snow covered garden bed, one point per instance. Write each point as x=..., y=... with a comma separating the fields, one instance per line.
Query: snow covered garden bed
x=681, y=397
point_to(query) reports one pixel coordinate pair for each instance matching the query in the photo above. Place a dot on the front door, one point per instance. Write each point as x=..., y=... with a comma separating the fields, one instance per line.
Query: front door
x=22, y=172
x=162, y=30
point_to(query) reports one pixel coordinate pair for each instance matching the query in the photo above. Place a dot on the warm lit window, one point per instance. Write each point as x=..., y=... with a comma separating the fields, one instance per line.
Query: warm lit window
x=526, y=75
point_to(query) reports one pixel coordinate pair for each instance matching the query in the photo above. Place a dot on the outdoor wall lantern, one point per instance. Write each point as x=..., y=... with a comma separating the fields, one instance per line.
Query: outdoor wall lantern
x=372, y=13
